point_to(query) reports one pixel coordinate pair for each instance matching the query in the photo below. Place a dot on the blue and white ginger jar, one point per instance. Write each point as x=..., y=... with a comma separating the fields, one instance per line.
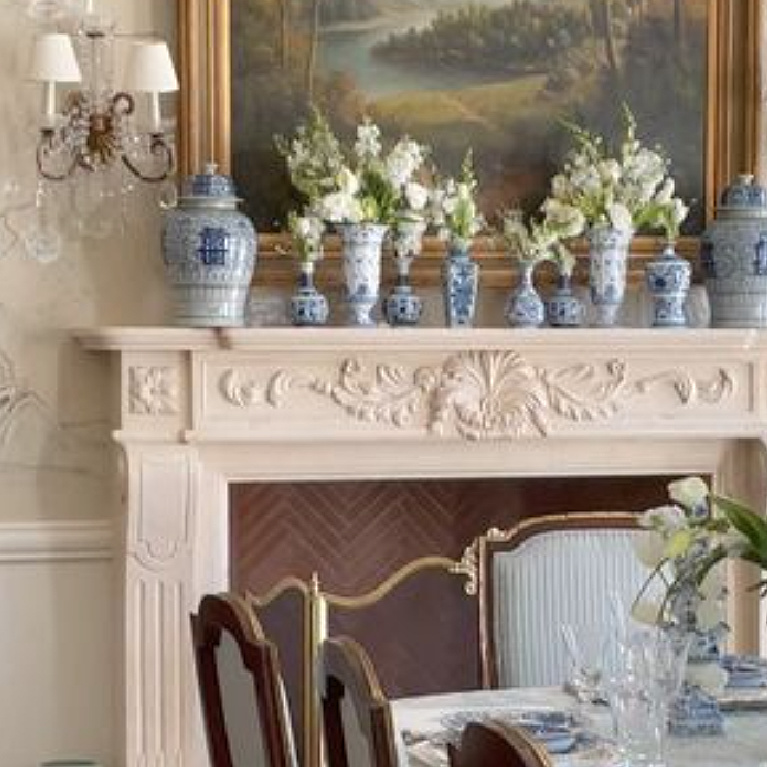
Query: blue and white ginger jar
x=733, y=252
x=209, y=249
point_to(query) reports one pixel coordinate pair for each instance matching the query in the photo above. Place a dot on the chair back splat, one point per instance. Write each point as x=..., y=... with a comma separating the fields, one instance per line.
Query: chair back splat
x=243, y=700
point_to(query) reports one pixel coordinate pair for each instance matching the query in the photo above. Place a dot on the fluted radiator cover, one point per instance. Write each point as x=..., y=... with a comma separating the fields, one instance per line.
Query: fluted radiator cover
x=553, y=578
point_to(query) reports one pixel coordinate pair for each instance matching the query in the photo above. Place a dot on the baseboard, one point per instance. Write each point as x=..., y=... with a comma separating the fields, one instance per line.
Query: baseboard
x=43, y=541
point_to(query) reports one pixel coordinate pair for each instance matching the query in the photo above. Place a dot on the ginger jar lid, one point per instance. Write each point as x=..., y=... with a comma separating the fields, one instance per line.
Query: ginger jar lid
x=744, y=198
x=209, y=189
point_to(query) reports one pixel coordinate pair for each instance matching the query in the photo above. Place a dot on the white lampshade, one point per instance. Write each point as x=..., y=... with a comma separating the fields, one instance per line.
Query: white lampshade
x=150, y=69
x=53, y=60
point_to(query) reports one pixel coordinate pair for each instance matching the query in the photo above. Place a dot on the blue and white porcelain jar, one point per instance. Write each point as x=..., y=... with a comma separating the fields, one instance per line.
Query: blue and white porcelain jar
x=608, y=257
x=668, y=281
x=524, y=308
x=308, y=307
x=209, y=249
x=460, y=283
x=733, y=252
x=563, y=308
x=361, y=252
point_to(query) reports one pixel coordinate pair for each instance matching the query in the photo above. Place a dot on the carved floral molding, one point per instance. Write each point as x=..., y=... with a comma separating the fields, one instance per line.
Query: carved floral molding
x=480, y=394
x=153, y=390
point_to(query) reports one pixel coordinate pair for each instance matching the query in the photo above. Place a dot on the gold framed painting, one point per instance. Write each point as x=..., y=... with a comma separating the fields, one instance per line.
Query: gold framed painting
x=493, y=74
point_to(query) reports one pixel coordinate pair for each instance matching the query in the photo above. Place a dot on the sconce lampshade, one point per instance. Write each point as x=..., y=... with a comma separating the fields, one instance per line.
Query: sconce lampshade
x=150, y=69
x=53, y=60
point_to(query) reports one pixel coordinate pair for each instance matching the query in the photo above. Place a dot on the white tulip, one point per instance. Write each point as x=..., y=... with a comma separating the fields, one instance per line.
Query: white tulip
x=689, y=492
x=710, y=614
x=667, y=519
x=417, y=195
x=713, y=585
x=709, y=677
x=646, y=611
x=649, y=546
x=348, y=183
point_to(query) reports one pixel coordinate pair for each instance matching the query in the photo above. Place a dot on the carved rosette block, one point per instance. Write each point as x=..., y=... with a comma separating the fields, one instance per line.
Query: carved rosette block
x=153, y=390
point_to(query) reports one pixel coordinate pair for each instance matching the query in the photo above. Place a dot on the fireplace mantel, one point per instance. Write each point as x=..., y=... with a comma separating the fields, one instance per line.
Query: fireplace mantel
x=200, y=409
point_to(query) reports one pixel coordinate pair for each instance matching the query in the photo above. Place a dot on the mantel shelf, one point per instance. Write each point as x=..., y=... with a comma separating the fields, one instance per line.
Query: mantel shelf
x=343, y=339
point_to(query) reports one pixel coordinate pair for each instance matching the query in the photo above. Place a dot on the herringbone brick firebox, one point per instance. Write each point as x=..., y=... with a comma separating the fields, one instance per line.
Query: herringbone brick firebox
x=355, y=534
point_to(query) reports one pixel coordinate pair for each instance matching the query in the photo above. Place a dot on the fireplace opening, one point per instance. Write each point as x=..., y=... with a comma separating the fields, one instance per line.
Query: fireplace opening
x=355, y=534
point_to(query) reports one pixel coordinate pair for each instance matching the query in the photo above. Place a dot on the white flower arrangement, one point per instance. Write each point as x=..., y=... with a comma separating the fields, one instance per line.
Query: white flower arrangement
x=307, y=233
x=534, y=242
x=361, y=185
x=684, y=544
x=629, y=191
x=454, y=209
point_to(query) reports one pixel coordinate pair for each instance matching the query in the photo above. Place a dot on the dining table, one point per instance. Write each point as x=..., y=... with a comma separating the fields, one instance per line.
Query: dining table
x=422, y=726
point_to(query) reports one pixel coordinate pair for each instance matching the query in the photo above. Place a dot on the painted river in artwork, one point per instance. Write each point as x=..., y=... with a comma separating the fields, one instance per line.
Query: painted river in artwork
x=349, y=48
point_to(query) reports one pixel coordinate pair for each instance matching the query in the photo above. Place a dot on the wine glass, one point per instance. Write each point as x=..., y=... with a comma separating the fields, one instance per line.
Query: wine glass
x=587, y=648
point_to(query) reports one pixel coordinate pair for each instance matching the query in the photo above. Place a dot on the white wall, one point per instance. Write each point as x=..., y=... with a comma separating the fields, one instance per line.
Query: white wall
x=58, y=616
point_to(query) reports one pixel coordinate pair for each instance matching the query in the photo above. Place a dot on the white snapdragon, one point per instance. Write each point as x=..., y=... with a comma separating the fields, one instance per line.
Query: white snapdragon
x=368, y=145
x=609, y=171
x=666, y=192
x=403, y=161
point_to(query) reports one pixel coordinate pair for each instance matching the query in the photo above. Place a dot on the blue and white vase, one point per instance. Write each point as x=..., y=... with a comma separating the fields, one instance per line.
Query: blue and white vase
x=308, y=307
x=608, y=257
x=361, y=253
x=209, y=249
x=403, y=307
x=668, y=281
x=460, y=281
x=525, y=309
x=563, y=308
x=695, y=711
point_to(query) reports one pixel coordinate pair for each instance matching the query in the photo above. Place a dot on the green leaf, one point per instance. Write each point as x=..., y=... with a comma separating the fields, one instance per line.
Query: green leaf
x=750, y=524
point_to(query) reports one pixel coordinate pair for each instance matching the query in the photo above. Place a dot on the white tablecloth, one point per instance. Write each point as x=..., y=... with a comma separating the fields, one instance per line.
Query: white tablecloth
x=744, y=743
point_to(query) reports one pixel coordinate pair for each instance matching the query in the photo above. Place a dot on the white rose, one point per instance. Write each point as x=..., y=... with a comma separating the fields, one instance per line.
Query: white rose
x=709, y=614
x=416, y=195
x=689, y=492
x=646, y=611
x=710, y=677
x=649, y=546
x=620, y=217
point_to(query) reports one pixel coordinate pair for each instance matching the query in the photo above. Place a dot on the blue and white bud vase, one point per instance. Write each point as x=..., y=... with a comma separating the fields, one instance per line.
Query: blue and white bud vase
x=361, y=253
x=564, y=309
x=402, y=307
x=308, y=307
x=460, y=281
x=668, y=281
x=608, y=257
x=525, y=309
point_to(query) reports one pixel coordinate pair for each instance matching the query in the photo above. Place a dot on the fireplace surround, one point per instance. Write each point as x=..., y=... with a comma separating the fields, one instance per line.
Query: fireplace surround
x=200, y=411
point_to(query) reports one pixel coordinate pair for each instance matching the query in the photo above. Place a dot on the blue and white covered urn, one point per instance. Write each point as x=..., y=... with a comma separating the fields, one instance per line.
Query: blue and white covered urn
x=733, y=252
x=209, y=249
x=668, y=281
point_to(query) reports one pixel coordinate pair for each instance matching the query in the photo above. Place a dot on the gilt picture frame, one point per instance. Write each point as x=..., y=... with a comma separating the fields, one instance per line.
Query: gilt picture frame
x=730, y=132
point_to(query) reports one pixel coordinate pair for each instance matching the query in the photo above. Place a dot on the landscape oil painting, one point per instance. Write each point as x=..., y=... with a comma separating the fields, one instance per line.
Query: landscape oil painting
x=500, y=76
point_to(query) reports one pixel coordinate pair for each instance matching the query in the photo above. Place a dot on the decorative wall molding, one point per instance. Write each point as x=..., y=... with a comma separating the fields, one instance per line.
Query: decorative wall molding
x=153, y=390
x=483, y=394
x=57, y=541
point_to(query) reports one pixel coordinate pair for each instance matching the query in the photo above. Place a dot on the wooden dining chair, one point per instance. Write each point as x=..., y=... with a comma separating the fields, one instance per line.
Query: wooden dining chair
x=543, y=573
x=356, y=715
x=243, y=702
x=491, y=744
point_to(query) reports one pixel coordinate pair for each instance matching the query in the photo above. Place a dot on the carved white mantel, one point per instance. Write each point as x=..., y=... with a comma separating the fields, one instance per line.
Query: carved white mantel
x=201, y=409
